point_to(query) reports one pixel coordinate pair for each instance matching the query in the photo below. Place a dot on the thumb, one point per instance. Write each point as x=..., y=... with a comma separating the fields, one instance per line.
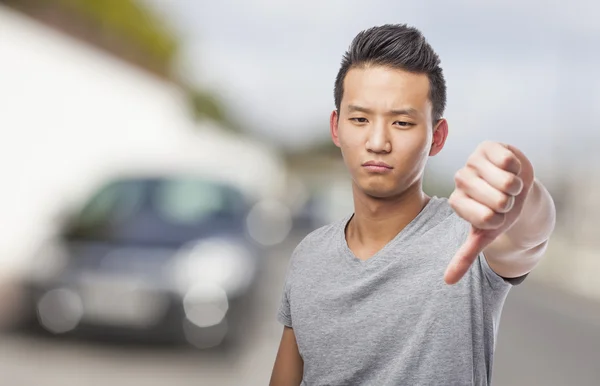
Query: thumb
x=476, y=241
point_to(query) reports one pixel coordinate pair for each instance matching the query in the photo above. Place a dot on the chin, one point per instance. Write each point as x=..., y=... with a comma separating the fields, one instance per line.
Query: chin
x=380, y=191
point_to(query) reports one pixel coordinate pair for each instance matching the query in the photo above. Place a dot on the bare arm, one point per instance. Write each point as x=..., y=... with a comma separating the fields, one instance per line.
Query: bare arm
x=518, y=250
x=289, y=365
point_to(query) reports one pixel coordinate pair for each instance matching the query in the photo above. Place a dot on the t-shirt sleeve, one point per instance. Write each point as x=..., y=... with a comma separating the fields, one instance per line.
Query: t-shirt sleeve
x=284, y=314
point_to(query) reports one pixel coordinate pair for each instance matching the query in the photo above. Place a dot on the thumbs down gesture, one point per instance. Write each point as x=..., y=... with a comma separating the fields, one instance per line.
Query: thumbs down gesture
x=490, y=192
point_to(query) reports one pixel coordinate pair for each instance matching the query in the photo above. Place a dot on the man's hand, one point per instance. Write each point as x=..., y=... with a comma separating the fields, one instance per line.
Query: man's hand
x=490, y=192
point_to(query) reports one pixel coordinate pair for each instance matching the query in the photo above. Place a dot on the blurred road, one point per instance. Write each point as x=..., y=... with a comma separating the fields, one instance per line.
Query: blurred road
x=546, y=338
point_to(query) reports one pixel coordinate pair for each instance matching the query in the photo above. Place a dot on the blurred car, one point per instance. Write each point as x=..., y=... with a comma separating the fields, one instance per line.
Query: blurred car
x=154, y=257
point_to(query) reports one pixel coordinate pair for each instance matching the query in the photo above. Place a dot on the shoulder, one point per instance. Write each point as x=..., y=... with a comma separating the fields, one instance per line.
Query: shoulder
x=321, y=238
x=310, y=251
x=445, y=223
x=318, y=243
x=443, y=212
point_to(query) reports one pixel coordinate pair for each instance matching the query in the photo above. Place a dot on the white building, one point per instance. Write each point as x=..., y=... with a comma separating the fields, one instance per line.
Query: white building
x=71, y=114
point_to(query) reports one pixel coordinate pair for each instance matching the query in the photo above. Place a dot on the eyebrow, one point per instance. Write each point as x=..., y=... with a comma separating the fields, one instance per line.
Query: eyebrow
x=406, y=111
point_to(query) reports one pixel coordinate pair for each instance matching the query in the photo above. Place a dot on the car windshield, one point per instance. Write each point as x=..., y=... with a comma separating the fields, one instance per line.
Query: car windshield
x=161, y=210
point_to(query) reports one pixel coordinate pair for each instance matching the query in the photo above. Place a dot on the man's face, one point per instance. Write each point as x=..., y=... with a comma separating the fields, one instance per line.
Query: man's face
x=385, y=119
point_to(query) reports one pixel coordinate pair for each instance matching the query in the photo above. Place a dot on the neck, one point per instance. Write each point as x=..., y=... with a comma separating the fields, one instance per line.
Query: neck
x=377, y=221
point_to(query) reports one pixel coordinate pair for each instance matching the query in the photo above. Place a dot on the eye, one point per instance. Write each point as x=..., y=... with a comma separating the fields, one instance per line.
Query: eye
x=403, y=124
x=359, y=120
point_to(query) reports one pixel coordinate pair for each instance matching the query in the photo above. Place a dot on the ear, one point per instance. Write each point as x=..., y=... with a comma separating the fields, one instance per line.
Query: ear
x=333, y=127
x=440, y=133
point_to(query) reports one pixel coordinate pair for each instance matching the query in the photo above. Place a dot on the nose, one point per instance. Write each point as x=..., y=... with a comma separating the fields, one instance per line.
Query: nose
x=378, y=140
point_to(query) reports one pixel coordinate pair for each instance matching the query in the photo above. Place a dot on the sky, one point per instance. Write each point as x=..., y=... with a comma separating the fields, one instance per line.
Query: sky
x=517, y=72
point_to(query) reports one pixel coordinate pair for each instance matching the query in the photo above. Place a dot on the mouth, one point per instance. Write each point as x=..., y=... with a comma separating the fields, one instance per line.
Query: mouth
x=377, y=167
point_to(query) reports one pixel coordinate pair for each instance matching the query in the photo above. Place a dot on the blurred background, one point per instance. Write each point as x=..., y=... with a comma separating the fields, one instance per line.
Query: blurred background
x=161, y=159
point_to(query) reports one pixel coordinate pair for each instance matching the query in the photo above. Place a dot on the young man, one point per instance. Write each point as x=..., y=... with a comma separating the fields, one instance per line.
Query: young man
x=408, y=290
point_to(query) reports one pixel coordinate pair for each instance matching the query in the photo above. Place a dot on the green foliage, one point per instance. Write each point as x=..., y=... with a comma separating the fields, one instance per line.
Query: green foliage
x=130, y=21
x=206, y=104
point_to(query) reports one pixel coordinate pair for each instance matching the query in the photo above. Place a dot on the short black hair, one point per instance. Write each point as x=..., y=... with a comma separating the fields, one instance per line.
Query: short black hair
x=396, y=46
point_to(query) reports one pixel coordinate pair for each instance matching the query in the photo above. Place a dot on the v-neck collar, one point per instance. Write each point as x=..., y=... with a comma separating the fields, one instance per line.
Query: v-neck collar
x=417, y=224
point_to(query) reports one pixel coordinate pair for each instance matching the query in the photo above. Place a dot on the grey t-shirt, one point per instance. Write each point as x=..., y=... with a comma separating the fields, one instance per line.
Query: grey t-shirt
x=391, y=319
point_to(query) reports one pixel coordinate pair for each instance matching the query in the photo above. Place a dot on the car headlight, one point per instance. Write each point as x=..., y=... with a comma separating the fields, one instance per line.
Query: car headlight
x=220, y=262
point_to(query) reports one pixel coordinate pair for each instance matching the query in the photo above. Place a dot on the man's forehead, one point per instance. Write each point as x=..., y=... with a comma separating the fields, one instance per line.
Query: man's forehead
x=388, y=75
x=385, y=87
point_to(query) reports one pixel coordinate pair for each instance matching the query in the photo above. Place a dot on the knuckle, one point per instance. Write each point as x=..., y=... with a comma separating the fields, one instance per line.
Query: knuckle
x=502, y=203
x=453, y=205
x=453, y=201
x=458, y=177
x=461, y=178
x=452, y=198
x=496, y=220
x=473, y=160
x=488, y=216
x=491, y=219
x=506, y=160
x=509, y=183
x=485, y=144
